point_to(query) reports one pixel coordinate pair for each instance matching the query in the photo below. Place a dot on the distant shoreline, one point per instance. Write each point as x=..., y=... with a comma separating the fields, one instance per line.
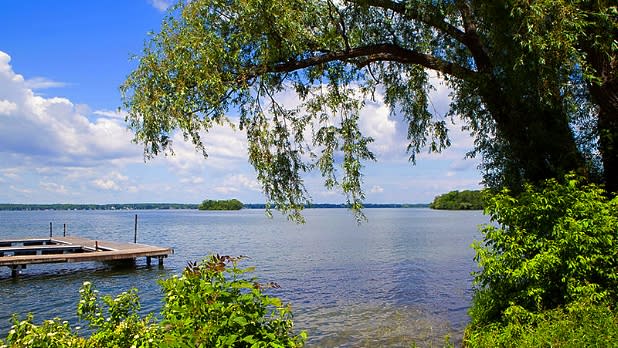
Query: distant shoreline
x=174, y=206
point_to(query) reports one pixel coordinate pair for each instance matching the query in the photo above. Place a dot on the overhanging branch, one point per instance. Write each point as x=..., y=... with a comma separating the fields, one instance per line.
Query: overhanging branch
x=365, y=55
x=435, y=21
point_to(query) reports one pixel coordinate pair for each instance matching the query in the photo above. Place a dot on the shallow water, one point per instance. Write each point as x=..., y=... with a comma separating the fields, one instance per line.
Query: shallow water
x=401, y=277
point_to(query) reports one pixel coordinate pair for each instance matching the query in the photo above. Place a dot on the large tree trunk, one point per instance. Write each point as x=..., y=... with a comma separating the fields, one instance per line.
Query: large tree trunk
x=539, y=143
x=605, y=96
x=597, y=43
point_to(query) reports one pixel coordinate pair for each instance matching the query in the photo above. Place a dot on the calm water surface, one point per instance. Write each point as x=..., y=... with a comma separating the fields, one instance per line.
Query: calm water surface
x=401, y=277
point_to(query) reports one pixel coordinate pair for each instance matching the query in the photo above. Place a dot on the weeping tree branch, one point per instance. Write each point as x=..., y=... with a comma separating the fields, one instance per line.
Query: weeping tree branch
x=429, y=18
x=362, y=56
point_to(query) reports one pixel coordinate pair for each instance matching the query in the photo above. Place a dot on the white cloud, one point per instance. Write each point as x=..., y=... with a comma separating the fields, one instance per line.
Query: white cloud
x=118, y=114
x=226, y=149
x=195, y=180
x=42, y=83
x=376, y=122
x=160, y=5
x=7, y=107
x=53, y=187
x=10, y=173
x=236, y=182
x=376, y=189
x=118, y=176
x=54, y=129
x=21, y=190
x=106, y=184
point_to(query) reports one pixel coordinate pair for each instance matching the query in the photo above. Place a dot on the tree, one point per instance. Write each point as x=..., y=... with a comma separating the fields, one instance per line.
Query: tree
x=523, y=105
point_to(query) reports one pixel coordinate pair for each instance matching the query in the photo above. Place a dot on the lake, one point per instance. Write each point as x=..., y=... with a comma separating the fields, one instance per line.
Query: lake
x=402, y=277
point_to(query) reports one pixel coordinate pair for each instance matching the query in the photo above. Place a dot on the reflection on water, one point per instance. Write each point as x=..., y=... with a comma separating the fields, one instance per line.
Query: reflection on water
x=402, y=277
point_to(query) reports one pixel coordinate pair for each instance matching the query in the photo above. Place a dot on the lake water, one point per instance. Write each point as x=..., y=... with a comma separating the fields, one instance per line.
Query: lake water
x=402, y=277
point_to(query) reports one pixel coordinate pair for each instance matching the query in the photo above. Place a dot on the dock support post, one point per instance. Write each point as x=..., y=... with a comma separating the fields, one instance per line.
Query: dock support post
x=64, y=233
x=16, y=270
x=50, y=230
x=148, y=260
x=135, y=230
x=160, y=261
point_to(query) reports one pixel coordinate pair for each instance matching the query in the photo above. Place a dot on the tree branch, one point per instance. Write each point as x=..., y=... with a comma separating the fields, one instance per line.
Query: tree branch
x=375, y=53
x=468, y=37
x=430, y=19
x=471, y=38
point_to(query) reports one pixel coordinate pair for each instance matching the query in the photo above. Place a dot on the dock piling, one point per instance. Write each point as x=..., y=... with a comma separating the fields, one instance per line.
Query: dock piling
x=135, y=230
x=50, y=230
x=16, y=270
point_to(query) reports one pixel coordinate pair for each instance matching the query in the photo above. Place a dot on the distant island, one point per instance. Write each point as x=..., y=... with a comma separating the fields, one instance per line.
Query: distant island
x=459, y=200
x=229, y=204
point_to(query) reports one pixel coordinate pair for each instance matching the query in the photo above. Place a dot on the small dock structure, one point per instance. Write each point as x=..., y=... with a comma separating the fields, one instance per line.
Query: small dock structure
x=18, y=253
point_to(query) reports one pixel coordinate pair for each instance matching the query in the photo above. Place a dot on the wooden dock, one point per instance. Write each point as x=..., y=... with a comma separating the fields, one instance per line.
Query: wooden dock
x=18, y=253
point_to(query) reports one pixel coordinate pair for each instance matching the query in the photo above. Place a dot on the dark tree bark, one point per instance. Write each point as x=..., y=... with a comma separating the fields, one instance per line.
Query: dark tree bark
x=605, y=96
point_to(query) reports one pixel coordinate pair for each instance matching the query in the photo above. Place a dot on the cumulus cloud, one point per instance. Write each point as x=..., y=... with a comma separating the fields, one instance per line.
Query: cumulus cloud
x=106, y=184
x=226, y=149
x=54, y=129
x=7, y=107
x=376, y=122
x=160, y=5
x=50, y=144
x=235, y=183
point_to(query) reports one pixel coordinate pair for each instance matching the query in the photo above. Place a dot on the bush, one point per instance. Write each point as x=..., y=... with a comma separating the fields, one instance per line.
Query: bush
x=547, y=248
x=209, y=305
x=579, y=325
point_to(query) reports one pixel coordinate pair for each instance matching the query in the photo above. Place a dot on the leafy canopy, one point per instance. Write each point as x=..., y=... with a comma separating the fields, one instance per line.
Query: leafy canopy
x=213, y=58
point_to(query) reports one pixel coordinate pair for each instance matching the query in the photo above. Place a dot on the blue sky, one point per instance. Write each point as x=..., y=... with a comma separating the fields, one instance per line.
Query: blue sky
x=62, y=141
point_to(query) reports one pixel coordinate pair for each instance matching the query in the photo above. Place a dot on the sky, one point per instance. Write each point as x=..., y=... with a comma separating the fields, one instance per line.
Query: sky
x=63, y=140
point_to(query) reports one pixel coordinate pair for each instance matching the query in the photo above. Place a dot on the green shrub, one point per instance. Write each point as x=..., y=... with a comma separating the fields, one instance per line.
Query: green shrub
x=579, y=325
x=210, y=305
x=547, y=248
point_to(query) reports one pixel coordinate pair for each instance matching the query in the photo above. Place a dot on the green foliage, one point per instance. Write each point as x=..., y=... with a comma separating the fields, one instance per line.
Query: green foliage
x=230, y=204
x=209, y=305
x=577, y=325
x=546, y=248
x=213, y=306
x=456, y=200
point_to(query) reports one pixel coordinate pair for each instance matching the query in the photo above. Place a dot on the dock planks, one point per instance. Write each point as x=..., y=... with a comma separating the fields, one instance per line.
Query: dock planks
x=19, y=253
